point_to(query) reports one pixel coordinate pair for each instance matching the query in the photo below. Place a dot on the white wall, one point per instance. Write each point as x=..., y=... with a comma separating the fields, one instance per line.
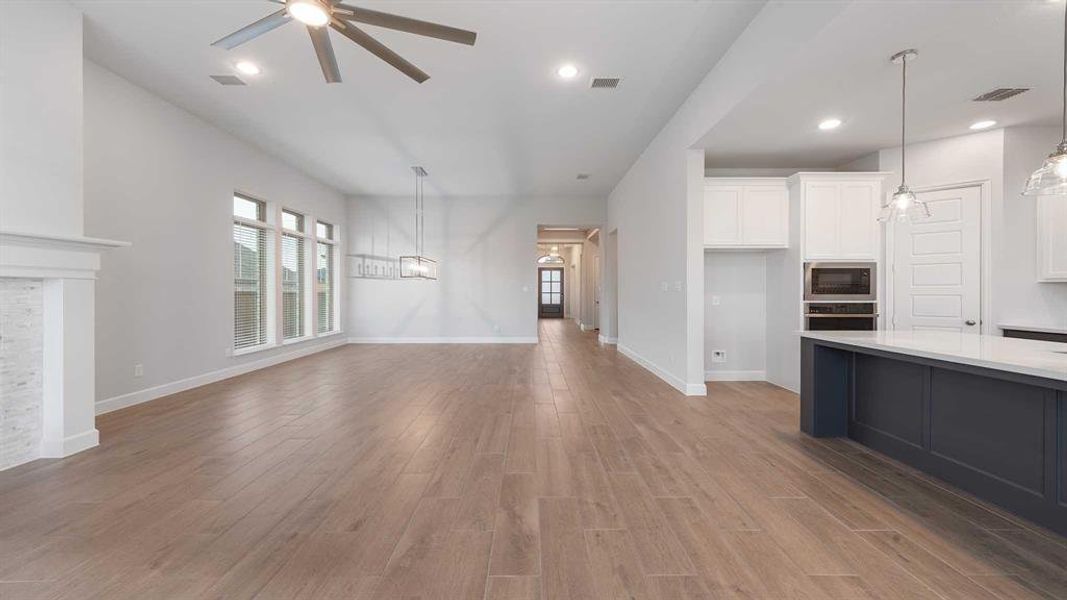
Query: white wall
x=657, y=205
x=590, y=253
x=1004, y=158
x=1018, y=296
x=574, y=288
x=738, y=323
x=164, y=179
x=41, y=118
x=487, y=247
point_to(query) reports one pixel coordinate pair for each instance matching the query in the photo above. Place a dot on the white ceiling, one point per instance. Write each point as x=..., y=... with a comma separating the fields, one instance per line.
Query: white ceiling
x=493, y=118
x=966, y=47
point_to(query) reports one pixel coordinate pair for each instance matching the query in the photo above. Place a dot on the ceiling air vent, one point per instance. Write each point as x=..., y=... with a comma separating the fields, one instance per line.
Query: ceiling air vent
x=1000, y=94
x=605, y=83
x=583, y=176
x=228, y=80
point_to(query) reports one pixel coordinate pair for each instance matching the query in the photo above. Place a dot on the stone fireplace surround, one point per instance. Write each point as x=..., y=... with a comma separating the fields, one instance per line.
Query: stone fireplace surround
x=64, y=268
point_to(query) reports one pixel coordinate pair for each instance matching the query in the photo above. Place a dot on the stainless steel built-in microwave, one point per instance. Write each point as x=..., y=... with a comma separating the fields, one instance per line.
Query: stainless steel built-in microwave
x=840, y=281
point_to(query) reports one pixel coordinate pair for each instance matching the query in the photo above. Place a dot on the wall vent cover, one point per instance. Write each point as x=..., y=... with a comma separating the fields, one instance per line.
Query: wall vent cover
x=605, y=83
x=228, y=80
x=1000, y=94
x=583, y=176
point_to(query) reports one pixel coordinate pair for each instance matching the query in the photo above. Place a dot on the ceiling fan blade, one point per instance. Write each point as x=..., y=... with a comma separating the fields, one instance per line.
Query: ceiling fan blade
x=320, y=38
x=242, y=35
x=378, y=49
x=390, y=21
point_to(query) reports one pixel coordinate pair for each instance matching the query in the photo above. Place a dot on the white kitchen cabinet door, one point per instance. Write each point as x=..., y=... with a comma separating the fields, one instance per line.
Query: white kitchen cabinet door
x=722, y=215
x=841, y=220
x=821, y=239
x=765, y=216
x=858, y=221
x=1051, y=238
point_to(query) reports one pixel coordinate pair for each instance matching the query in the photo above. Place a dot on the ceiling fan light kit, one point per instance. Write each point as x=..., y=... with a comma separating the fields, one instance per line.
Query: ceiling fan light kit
x=308, y=12
x=322, y=15
x=417, y=266
x=904, y=206
x=1051, y=178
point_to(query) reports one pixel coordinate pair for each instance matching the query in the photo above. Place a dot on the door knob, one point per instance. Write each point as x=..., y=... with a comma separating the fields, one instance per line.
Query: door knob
x=969, y=323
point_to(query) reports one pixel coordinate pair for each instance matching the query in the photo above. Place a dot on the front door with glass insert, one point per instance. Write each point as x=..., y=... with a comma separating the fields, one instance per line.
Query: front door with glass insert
x=550, y=293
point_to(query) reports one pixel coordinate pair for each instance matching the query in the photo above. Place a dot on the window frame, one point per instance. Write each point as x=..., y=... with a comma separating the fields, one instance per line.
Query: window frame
x=272, y=224
x=333, y=270
x=283, y=232
x=268, y=277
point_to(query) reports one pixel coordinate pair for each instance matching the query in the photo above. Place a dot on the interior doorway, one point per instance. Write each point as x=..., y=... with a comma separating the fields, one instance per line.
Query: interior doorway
x=935, y=275
x=565, y=286
x=550, y=295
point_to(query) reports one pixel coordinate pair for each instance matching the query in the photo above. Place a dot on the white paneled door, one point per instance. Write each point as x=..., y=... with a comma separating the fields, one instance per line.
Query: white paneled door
x=937, y=266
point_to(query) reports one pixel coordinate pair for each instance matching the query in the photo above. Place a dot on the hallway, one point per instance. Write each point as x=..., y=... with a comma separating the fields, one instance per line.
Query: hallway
x=561, y=470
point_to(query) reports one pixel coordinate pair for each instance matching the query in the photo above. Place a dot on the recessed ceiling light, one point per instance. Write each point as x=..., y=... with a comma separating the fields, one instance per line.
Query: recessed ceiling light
x=247, y=67
x=829, y=124
x=567, y=71
x=983, y=124
x=308, y=12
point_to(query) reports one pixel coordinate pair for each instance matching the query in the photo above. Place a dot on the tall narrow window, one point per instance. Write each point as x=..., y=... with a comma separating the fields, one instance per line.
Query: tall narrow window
x=251, y=265
x=324, y=276
x=292, y=275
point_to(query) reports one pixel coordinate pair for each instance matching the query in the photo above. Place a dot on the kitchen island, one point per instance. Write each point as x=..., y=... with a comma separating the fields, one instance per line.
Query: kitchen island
x=987, y=414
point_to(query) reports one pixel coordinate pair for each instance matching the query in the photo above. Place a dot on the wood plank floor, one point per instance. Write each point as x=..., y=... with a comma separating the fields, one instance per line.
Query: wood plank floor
x=561, y=470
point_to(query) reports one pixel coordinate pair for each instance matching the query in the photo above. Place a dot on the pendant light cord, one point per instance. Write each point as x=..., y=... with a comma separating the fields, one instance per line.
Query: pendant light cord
x=904, y=113
x=422, y=218
x=1064, y=120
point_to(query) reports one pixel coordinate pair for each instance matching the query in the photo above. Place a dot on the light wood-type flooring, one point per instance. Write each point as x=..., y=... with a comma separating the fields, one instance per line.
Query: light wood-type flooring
x=561, y=470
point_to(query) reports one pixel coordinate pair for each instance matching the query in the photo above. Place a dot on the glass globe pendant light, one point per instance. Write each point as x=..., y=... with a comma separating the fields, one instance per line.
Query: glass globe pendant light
x=904, y=206
x=1051, y=178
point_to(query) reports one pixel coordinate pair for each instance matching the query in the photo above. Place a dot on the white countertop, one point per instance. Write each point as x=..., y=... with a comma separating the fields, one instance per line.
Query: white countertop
x=1061, y=329
x=1028, y=357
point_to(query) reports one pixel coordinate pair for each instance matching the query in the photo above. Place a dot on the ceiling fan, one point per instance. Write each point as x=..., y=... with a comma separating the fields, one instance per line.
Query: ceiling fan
x=318, y=14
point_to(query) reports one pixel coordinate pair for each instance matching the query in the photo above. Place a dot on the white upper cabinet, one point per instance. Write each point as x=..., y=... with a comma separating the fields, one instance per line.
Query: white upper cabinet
x=1051, y=238
x=839, y=215
x=746, y=213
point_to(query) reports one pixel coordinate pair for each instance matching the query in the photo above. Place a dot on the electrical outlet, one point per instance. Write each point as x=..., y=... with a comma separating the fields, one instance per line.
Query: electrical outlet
x=718, y=356
x=716, y=300
x=138, y=370
x=664, y=286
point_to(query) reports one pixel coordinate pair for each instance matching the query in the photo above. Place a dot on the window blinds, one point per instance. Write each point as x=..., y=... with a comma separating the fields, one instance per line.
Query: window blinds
x=251, y=263
x=324, y=278
x=292, y=286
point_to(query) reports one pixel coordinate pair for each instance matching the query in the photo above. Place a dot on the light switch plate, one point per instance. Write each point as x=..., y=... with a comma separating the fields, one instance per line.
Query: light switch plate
x=716, y=300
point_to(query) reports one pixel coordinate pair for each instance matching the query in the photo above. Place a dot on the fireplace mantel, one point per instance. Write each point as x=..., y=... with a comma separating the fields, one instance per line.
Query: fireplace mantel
x=44, y=256
x=67, y=266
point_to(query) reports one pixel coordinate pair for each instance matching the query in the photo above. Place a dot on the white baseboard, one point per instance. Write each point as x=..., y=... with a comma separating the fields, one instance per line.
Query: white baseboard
x=152, y=393
x=443, y=340
x=735, y=376
x=607, y=340
x=72, y=444
x=690, y=389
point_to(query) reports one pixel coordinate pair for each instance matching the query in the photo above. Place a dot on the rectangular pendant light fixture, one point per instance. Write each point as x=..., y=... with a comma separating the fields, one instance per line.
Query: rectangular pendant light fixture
x=417, y=266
